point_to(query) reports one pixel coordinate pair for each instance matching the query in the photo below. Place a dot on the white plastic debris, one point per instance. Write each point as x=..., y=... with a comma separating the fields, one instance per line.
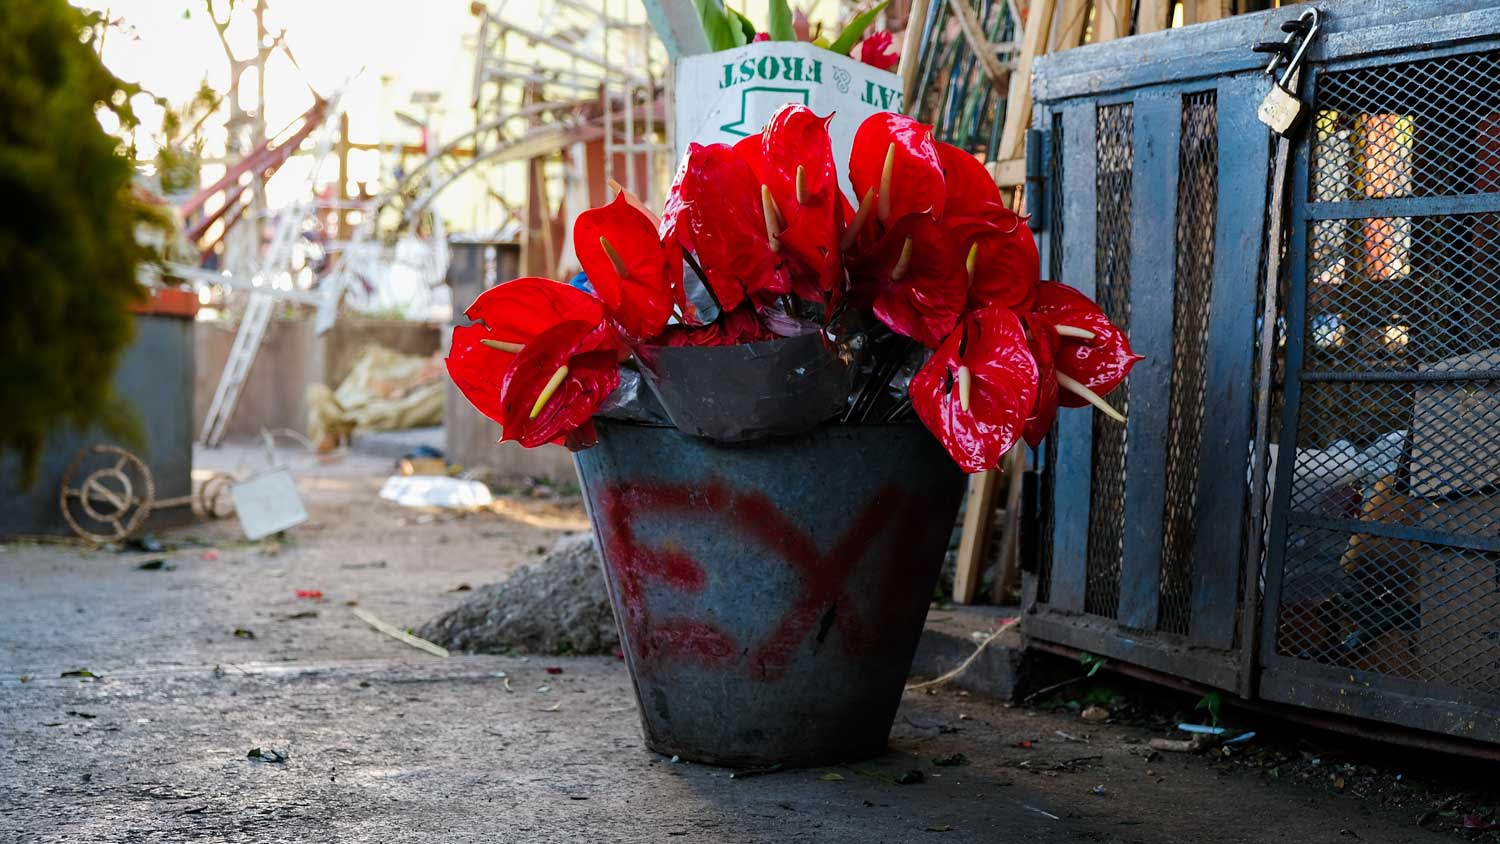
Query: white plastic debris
x=436, y=491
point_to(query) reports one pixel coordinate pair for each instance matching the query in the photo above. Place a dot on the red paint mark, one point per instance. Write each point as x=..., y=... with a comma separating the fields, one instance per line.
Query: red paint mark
x=315, y=594
x=634, y=564
x=752, y=515
x=552, y=669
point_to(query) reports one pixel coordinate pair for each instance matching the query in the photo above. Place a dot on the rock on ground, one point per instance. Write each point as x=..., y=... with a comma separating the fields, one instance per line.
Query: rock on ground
x=557, y=605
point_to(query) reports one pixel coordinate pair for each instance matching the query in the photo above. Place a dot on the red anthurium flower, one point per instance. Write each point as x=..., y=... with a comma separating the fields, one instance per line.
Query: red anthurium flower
x=914, y=278
x=636, y=275
x=506, y=319
x=878, y=51
x=979, y=387
x=971, y=191
x=718, y=211
x=1092, y=351
x=1000, y=260
x=1042, y=338
x=794, y=160
x=556, y=383
x=895, y=170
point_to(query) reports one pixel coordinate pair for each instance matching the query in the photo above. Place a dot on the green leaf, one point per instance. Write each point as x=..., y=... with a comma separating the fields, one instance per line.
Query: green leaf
x=746, y=30
x=779, y=21
x=717, y=27
x=856, y=29
x=1211, y=702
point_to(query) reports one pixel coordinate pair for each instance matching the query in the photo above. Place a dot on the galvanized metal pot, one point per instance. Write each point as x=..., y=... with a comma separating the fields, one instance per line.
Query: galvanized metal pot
x=770, y=594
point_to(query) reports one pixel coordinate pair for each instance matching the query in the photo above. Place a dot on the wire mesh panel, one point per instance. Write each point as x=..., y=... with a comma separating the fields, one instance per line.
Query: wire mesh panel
x=1197, y=202
x=1115, y=151
x=1391, y=563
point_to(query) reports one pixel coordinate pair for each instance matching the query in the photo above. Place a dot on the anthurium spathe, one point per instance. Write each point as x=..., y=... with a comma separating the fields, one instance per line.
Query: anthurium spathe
x=793, y=157
x=878, y=51
x=977, y=390
x=506, y=319
x=556, y=382
x=1042, y=340
x=1093, y=354
x=895, y=171
x=717, y=210
x=914, y=279
x=635, y=274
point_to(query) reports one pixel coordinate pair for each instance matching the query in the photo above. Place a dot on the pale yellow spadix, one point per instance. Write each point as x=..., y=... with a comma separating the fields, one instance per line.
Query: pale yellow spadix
x=903, y=263
x=1089, y=396
x=552, y=384
x=614, y=257
x=861, y=216
x=773, y=217
x=1079, y=333
x=965, y=380
x=887, y=172
x=503, y=346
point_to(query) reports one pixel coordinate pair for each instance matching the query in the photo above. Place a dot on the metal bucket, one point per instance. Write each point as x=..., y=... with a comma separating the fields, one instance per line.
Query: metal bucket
x=770, y=594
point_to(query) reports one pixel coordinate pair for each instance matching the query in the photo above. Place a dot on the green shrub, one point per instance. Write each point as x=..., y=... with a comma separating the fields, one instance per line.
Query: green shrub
x=68, y=254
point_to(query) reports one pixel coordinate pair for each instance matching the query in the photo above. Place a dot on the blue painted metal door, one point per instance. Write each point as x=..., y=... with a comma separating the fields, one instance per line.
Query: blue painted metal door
x=1382, y=583
x=1155, y=204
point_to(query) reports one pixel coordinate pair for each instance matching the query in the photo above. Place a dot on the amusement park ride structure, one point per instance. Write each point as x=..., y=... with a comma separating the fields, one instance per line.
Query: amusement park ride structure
x=577, y=96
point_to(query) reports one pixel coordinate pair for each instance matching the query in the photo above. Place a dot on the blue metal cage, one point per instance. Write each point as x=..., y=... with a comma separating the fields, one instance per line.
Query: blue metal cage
x=1344, y=553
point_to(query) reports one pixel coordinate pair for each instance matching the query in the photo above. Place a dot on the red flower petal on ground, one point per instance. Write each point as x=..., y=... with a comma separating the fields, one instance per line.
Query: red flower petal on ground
x=639, y=299
x=989, y=350
x=513, y=313
x=1006, y=265
x=914, y=278
x=1043, y=342
x=878, y=51
x=1100, y=363
x=541, y=400
x=915, y=182
x=715, y=211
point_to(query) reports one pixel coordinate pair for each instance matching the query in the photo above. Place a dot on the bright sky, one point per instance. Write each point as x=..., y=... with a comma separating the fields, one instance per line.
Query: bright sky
x=389, y=48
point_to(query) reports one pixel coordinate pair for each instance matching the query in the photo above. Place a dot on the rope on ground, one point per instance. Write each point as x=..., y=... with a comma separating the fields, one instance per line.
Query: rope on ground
x=964, y=666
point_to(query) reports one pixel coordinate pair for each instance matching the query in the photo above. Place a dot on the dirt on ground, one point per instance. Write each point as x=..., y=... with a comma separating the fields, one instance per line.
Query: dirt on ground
x=204, y=699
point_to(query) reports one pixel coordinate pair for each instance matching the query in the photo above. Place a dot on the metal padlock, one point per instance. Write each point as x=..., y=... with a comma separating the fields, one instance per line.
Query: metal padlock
x=1283, y=110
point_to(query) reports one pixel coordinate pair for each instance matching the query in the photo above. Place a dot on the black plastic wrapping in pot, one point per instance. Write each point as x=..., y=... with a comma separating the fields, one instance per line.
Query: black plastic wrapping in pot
x=744, y=392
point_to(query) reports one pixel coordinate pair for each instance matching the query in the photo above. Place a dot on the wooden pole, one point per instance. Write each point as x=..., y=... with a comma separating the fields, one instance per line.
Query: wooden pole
x=1153, y=16
x=911, y=45
x=1018, y=104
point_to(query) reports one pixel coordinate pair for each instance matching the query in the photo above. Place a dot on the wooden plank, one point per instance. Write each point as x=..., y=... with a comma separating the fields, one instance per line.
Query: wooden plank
x=1111, y=20
x=1243, y=163
x=1201, y=11
x=1009, y=174
x=968, y=22
x=1073, y=473
x=1008, y=563
x=1153, y=16
x=976, y=530
x=1018, y=103
x=1153, y=233
x=1068, y=25
x=911, y=38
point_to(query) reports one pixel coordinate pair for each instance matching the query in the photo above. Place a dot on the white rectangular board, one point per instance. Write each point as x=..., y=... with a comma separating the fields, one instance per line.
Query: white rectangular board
x=725, y=96
x=267, y=503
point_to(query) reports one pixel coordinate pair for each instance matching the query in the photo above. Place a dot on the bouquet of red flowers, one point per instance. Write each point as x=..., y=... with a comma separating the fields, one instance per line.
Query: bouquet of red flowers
x=758, y=242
